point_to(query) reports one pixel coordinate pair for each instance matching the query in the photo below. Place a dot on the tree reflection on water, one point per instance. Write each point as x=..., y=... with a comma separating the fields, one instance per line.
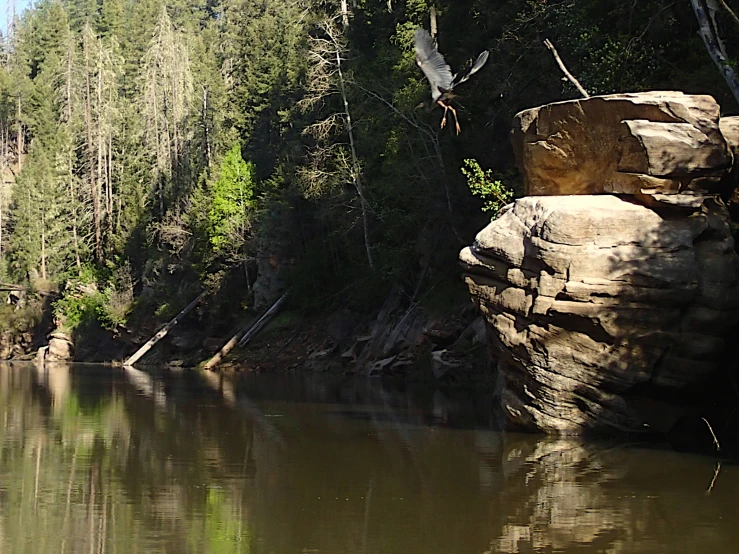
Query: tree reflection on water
x=96, y=459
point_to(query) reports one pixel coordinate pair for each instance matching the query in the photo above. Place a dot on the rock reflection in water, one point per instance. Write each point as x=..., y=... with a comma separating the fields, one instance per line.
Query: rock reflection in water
x=96, y=459
x=562, y=495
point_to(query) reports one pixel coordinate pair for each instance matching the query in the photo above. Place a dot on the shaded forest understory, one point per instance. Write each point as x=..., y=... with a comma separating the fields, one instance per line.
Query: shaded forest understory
x=153, y=150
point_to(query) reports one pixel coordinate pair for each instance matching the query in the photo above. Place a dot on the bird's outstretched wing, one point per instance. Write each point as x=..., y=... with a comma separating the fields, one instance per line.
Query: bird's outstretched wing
x=432, y=63
x=479, y=62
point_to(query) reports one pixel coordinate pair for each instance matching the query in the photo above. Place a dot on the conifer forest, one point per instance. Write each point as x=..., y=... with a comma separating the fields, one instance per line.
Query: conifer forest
x=151, y=150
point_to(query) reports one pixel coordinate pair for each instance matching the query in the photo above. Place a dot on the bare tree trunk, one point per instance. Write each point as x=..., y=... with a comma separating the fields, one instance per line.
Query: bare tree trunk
x=355, y=161
x=168, y=146
x=167, y=92
x=162, y=332
x=705, y=12
x=75, y=237
x=561, y=64
x=43, y=244
x=2, y=186
x=175, y=126
x=3, y=165
x=344, y=14
x=109, y=161
x=91, y=153
x=159, y=148
x=19, y=141
x=10, y=21
x=206, y=131
x=70, y=173
x=101, y=173
x=110, y=170
x=730, y=11
x=3, y=150
x=432, y=17
x=118, y=214
x=245, y=334
x=176, y=158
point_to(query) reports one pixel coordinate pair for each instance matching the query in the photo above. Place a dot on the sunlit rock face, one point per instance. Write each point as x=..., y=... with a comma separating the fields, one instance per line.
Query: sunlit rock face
x=61, y=348
x=597, y=305
x=622, y=143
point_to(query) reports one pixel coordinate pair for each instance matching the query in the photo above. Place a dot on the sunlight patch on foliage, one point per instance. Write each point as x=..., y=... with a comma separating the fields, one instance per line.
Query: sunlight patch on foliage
x=482, y=183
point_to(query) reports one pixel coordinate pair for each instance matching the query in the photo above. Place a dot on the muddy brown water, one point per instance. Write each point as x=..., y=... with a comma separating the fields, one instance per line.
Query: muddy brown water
x=106, y=460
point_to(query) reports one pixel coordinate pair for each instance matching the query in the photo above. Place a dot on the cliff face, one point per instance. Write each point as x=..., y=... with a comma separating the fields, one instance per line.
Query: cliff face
x=597, y=304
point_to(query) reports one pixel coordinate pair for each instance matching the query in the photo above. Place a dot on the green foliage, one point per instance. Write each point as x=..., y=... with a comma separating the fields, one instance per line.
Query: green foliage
x=74, y=310
x=83, y=303
x=15, y=320
x=104, y=307
x=222, y=529
x=482, y=183
x=206, y=86
x=117, y=298
x=232, y=199
x=40, y=240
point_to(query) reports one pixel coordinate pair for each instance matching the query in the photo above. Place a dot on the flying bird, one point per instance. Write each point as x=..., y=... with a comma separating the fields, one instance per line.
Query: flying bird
x=439, y=74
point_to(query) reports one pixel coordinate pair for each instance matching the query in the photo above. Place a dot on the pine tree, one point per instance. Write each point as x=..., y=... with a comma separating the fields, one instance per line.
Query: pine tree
x=40, y=237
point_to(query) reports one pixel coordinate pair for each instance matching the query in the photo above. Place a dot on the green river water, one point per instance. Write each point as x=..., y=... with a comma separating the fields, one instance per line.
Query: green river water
x=105, y=460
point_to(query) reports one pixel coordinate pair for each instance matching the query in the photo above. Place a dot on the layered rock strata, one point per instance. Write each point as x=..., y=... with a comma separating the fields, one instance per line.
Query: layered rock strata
x=598, y=305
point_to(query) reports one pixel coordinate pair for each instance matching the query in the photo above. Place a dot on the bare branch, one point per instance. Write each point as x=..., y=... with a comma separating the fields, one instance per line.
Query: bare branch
x=731, y=12
x=561, y=64
x=705, y=11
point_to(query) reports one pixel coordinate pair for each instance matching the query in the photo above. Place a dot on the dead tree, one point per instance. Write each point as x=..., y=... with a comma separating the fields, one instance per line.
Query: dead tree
x=705, y=12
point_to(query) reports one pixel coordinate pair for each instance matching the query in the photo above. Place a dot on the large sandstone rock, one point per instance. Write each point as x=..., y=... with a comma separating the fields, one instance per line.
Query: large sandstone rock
x=60, y=349
x=663, y=142
x=591, y=299
x=729, y=127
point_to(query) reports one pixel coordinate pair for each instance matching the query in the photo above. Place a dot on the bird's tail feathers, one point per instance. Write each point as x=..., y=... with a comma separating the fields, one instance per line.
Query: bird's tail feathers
x=479, y=62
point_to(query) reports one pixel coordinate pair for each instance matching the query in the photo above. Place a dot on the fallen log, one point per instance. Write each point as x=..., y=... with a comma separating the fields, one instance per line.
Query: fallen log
x=162, y=332
x=262, y=321
x=245, y=334
x=226, y=348
x=9, y=287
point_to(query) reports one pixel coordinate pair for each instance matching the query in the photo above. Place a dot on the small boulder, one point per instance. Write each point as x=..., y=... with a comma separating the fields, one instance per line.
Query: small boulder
x=61, y=348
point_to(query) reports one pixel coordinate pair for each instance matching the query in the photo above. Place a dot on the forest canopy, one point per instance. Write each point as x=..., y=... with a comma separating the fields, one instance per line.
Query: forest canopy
x=155, y=148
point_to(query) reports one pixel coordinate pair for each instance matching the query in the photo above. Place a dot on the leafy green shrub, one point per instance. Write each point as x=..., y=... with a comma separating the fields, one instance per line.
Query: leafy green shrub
x=75, y=309
x=17, y=319
x=84, y=303
x=117, y=299
x=482, y=183
x=113, y=311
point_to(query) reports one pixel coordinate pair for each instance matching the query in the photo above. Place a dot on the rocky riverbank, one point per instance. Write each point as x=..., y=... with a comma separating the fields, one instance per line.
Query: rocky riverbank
x=404, y=340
